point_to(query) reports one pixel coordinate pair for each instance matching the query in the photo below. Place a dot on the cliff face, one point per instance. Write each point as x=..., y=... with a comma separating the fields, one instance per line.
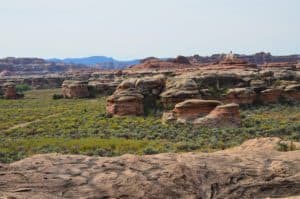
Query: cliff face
x=253, y=170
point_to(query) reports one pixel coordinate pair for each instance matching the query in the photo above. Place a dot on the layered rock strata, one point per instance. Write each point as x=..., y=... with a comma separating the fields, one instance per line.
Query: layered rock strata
x=75, y=89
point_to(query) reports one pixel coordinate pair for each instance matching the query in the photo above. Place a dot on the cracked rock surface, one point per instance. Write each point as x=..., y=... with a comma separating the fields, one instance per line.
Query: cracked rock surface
x=253, y=170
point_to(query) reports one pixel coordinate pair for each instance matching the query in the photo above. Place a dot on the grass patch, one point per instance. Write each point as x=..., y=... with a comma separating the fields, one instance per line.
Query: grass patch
x=79, y=126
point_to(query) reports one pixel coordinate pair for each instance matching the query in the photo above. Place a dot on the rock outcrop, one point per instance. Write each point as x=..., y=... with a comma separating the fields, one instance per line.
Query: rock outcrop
x=206, y=113
x=271, y=95
x=151, y=86
x=178, y=90
x=126, y=100
x=125, y=104
x=239, y=96
x=102, y=88
x=10, y=91
x=75, y=89
x=253, y=170
x=194, y=108
x=134, y=95
x=292, y=92
x=222, y=116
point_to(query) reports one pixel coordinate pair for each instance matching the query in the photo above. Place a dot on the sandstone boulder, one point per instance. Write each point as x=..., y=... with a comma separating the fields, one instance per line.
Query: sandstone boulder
x=206, y=113
x=292, y=92
x=239, y=96
x=271, y=95
x=126, y=100
x=127, y=84
x=125, y=104
x=102, y=88
x=9, y=90
x=258, y=85
x=178, y=90
x=151, y=85
x=75, y=89
x=194, y=108
x=222, y=116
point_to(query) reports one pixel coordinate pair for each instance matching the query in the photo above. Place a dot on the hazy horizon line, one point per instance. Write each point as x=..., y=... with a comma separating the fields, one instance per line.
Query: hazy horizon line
x=138, y=58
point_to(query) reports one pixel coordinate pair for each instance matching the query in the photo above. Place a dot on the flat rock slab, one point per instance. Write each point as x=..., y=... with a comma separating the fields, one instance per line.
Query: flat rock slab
x=253, y=170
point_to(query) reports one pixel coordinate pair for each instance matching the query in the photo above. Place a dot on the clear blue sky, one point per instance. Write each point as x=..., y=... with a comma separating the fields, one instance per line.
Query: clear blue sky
x=128, y=29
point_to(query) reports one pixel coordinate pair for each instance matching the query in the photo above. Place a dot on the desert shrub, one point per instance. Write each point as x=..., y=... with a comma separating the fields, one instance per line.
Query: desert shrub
x=57, y=96
x=186, y=146
x=92, y=91
x=22, y=88
x=59, y=125
x=150, y=151
x=20, y=95
x=217, y=91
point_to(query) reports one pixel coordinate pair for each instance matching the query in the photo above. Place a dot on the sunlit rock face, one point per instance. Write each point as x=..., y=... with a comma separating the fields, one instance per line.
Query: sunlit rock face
x=75, y=89
x=125, y=104
x=222, y=116
x=126, y=100
x=194, y=108
x=206, y=113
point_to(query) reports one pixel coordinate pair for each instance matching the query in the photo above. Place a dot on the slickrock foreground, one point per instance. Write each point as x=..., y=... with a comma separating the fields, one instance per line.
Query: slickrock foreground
x=253, y=170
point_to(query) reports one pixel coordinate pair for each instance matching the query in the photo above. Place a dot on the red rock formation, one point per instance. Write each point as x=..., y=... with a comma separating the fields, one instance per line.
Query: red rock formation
x=75, y=89
x=194, y=108
x=125, y=104
x=292, y=92
x=271, y=95
x=151, y=85
x=126, y=100
x=239, y=96
x=10, y=91
x=231, y=59
x=222, y=116
x=102, y=88
x=179, y=90
x=207, y=113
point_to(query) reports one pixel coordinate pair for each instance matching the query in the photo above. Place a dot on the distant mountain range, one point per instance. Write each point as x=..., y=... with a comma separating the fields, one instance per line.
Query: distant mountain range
x=101, y=62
